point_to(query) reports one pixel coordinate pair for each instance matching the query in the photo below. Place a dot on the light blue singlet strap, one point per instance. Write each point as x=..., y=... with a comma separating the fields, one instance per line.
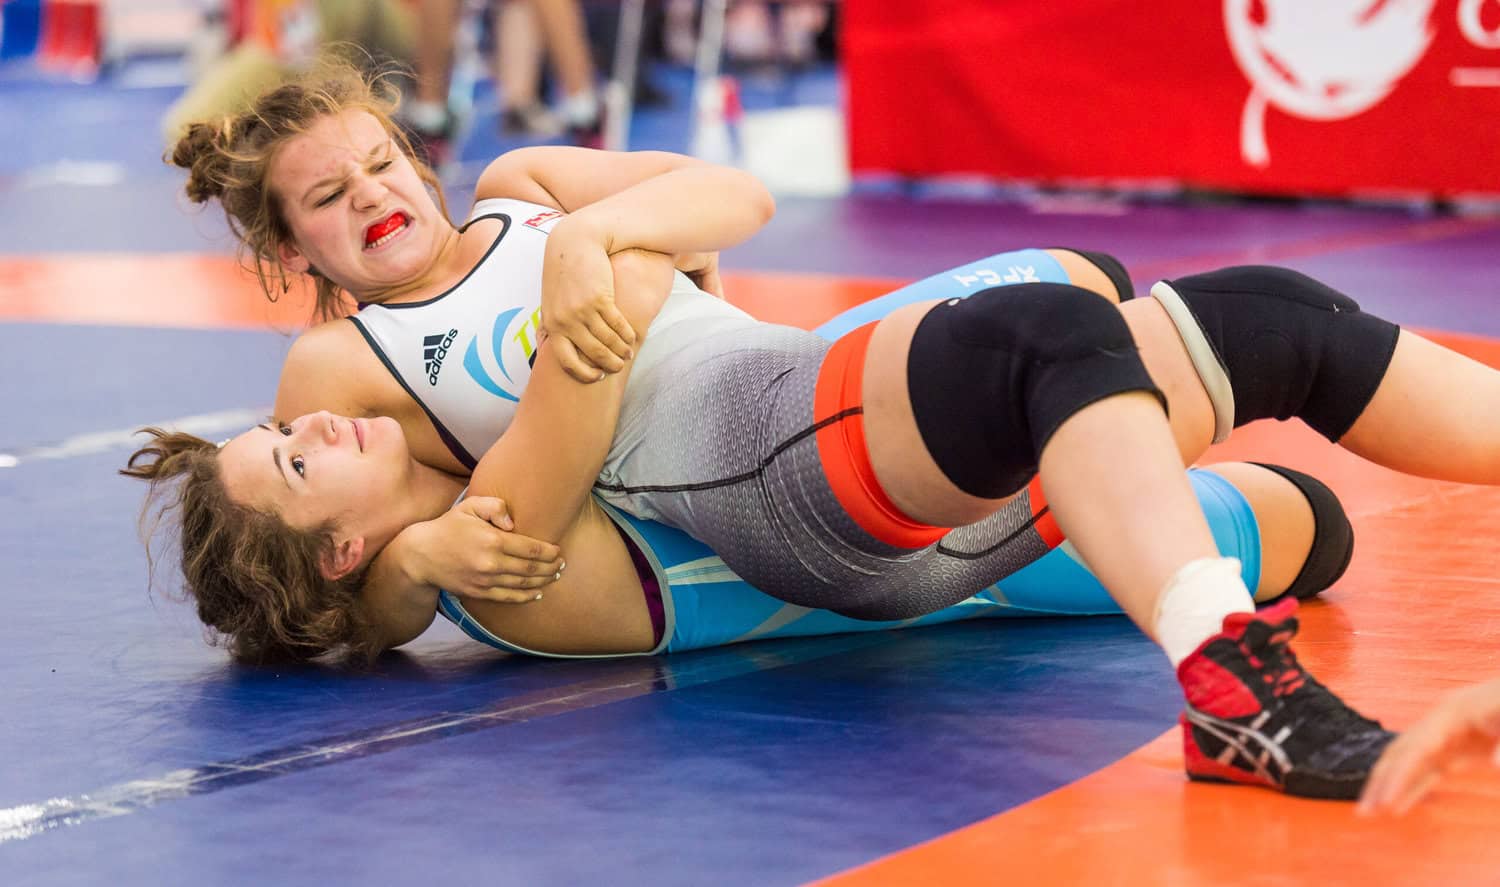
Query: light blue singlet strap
x=1001, y=269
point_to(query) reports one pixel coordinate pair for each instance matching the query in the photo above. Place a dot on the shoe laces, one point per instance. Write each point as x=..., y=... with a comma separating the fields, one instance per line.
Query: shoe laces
x=1275, y=662
x=1283, y=675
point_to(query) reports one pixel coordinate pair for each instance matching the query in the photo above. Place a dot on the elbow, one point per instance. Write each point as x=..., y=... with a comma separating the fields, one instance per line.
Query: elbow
x=747, y=191
x=761, y=201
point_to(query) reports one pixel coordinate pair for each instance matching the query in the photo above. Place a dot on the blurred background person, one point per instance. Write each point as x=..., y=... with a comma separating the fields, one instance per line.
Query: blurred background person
x=267, y=41
x=526, y=31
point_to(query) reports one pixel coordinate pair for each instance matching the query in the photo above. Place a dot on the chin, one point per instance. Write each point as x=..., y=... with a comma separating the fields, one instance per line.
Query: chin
x=389, y=430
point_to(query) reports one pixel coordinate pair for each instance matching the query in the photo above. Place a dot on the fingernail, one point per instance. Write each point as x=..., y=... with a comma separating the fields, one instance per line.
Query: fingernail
x=556, y=576
x=538, y=596
x=562, y=566
x=508, y=523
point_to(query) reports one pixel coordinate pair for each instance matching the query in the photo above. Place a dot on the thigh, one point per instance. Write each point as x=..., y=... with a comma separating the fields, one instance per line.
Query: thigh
x=912, y=478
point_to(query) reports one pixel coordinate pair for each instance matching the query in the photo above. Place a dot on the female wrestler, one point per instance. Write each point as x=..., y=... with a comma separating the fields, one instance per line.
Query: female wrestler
x=834, y=490
x=696, y=602
x=470, y=365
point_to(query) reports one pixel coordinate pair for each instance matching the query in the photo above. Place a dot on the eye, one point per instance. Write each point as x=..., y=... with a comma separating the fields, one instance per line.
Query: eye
x=383, y=165
x=299, y=466
x=285, y=430
x=332, y=196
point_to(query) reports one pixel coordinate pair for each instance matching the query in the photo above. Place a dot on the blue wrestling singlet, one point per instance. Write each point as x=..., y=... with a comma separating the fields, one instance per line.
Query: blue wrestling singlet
x=706, y=604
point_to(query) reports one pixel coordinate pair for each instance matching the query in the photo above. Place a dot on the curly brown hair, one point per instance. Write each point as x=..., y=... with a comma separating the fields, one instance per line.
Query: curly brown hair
x=256, y=581
x=229, y=159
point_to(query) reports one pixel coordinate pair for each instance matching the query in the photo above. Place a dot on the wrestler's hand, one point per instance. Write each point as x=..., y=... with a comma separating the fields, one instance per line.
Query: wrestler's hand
x=589, y=334
x=471, y=551
x=703, y=270
x=1464, y=729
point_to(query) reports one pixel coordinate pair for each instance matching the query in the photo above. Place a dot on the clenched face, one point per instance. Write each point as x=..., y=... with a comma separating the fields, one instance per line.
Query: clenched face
x=358, y=212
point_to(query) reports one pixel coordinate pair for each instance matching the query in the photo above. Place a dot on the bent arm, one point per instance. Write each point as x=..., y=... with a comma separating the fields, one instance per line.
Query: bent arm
x=548, y=459
x=550, y=456
x=650, y=200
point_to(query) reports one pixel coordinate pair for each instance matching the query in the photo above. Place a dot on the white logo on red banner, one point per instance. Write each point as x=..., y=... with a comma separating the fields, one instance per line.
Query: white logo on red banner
x=1322, y=59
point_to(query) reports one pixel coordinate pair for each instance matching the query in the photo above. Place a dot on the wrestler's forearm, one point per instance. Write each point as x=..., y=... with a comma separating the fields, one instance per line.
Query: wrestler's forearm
x=546, y=463
x=693, y=209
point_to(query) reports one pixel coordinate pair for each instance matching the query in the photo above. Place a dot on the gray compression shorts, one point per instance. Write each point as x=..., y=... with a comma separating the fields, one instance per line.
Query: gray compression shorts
x=718, y=440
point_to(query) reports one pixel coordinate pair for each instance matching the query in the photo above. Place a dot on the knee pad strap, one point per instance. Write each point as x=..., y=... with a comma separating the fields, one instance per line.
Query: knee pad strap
x=992, y=377
x=1290, y=346
x=1333, y=535
x=1205, y=360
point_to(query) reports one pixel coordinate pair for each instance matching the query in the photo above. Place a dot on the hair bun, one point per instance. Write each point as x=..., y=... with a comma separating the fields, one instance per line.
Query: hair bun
x=201, y=152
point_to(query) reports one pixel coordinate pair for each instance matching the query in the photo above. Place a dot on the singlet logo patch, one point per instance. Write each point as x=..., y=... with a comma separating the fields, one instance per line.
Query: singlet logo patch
x=543, y=221
x=434, y=350
x=512, y=347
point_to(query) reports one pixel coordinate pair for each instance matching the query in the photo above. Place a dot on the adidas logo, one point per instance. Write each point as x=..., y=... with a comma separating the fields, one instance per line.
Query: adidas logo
x=434, y=349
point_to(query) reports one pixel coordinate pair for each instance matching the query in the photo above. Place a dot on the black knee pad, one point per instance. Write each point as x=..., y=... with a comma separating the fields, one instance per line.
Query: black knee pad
x=1112, y=267
x=1291, y=346
x=991, y=377
x=1333, y=536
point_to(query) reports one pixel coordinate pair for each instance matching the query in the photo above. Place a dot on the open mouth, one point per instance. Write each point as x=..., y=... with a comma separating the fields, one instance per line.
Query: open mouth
x=386, y=230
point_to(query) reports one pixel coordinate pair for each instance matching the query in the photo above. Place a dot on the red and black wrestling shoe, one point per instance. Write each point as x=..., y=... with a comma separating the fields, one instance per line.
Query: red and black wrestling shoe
x=1255, y=716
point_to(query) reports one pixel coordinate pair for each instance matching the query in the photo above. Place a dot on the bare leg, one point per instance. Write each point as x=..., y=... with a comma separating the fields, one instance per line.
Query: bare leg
x=518, y=53
x=435, y=50
x=562, y=24
x=1112, y=474
x=1433, y=415
x=1284, y=516
x=1134, y=519
x=916, y=484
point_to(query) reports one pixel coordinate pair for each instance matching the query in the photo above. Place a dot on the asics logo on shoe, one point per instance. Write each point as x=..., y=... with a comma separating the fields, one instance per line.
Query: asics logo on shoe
x=434, y=350
x=1246, y=748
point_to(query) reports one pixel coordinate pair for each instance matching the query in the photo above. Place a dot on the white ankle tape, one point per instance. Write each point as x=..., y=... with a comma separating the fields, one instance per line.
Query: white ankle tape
x=1205, y=361
x=1197, y=598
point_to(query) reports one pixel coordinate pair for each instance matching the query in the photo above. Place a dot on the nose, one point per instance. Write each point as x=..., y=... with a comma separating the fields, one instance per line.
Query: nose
x=321, y=425
x=366, y=191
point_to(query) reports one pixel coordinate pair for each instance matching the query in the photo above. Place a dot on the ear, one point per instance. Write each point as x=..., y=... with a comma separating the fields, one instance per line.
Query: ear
x=292, y=258
x=342, y=559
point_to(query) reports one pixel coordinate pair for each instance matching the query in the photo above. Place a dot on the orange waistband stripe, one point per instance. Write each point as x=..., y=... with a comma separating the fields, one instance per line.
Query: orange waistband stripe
x=846, y=456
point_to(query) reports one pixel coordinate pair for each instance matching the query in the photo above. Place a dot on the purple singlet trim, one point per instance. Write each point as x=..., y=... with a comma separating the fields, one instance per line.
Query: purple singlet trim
x=649, y=585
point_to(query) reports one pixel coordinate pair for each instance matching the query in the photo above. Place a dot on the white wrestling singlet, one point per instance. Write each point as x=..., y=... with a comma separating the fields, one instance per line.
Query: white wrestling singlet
x=466, y=355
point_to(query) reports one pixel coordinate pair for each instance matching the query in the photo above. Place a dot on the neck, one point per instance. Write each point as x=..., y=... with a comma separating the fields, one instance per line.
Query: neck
x=430, y=492
x=427, y=494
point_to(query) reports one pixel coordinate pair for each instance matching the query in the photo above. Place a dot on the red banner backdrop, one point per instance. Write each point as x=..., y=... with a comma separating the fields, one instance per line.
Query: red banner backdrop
x=1273, y=96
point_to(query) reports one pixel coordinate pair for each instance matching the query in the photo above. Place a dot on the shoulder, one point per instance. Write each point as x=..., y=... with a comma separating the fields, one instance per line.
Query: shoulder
x=330, y=367
x=328, y=344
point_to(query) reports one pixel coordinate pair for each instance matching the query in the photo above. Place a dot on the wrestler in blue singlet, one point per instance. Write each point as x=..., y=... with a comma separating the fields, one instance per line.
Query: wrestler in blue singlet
x=702, y=602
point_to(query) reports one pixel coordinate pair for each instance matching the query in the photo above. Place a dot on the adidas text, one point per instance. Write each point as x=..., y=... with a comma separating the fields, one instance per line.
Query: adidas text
x=434, y=349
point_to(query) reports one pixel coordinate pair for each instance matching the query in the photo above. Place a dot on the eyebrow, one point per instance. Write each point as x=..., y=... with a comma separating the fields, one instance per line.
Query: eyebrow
x=276, y=457
x=333, y=180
